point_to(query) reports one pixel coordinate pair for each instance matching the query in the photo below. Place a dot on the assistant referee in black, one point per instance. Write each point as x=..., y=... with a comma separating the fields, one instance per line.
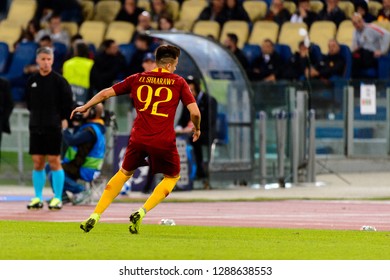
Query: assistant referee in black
x=49, y=99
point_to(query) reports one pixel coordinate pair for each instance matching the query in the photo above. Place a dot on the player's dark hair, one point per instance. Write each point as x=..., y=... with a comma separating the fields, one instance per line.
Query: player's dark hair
x=166, y=54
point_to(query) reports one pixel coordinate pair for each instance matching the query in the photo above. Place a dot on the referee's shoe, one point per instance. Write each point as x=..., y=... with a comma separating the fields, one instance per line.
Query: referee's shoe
x=55, y=204
x=35, y=204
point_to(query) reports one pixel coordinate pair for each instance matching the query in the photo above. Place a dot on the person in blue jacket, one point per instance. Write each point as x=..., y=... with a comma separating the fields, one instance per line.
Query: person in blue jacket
x=84, y=156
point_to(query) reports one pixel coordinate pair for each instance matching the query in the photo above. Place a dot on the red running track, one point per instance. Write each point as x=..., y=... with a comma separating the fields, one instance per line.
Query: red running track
x=350, y=215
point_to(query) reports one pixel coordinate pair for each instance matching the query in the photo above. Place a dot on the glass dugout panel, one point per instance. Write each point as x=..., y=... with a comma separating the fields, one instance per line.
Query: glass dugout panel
x=370, y=126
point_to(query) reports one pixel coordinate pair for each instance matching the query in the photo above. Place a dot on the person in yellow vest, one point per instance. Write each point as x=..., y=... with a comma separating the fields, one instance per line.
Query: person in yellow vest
x=76, y=71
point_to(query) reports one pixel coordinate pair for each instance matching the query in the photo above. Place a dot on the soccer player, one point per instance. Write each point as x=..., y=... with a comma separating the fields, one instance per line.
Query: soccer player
x=156, y=95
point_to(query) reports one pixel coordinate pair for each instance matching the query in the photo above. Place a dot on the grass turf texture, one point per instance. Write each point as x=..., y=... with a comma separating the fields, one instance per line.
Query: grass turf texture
x=65, y=241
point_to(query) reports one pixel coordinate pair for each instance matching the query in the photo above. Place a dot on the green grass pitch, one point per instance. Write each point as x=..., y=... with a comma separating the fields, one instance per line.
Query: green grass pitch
x=111, y=241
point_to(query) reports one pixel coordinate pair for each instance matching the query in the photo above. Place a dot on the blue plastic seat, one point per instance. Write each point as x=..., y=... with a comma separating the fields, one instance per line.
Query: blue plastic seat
x=315, y=52
x=384, y=67
x=23, y=55
x=128, y=51
x=4, y=57
x=221, y=137
x=221, y=129
x=347, y=55
x=251, y=52
x=338, y=132
x=60, y=52
x=284, y=51
x=92, y=49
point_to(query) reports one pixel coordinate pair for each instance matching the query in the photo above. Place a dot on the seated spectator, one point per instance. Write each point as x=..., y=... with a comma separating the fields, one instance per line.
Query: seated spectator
x=235, y=11
x=79, y=38
x=142, y=44
x=269, y=65
x=368, y=44
x=55, y=31
x=69, y=10
x=304, y=14
x=332, y=12
x=301, y=60
x=149, y=62
x=109, y=63
x=84, y=155
x=129, y=12
x=384, y=13
x=76, y=71
x=278, y=13
x=230, y=43
x=166, y=23
x=28, y=34
x=159, y=8
x=215, y=11
x=361, y=7
x=332, y=64
x=144, y=24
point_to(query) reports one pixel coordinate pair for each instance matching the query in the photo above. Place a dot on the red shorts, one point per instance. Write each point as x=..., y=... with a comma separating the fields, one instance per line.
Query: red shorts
x=162, y=160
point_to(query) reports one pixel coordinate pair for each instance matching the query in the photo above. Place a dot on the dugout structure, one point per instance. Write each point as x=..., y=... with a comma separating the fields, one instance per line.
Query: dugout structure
x=231, y=154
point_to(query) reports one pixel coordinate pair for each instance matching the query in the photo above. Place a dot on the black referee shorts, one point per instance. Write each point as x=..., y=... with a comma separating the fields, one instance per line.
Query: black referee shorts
x=46, y=142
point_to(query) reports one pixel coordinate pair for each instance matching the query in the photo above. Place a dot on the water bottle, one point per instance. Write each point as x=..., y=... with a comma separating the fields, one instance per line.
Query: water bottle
x=167, y=222
x=368, y=228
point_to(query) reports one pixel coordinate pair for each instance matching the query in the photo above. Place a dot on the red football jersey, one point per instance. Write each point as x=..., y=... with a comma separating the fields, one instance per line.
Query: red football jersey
x=156, y=95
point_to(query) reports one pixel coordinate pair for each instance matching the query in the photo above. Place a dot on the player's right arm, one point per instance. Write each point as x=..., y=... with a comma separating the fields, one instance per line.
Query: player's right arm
x=195, y=118
x=99, y=97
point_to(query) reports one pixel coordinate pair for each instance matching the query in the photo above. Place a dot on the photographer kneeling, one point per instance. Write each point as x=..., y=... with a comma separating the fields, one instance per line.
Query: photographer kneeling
x=84, y=156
